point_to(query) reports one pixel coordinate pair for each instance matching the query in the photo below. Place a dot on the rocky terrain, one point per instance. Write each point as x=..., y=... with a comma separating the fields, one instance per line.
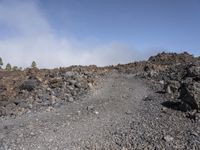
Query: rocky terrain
x=148, y=105
x=36, y=90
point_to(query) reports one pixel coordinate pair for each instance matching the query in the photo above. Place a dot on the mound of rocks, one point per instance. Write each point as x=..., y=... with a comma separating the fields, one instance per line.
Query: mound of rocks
x=190, y=86
x=180, y=74
x=36, y=90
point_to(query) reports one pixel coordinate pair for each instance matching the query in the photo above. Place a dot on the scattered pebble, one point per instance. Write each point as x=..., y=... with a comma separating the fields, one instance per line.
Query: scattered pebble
x=168, y=138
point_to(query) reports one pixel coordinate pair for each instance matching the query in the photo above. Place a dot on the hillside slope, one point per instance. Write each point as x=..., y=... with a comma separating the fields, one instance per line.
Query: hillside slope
x=151, y=104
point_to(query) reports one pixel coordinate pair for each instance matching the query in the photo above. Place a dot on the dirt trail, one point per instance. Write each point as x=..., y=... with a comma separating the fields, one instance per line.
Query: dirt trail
x=87, y=122
x=113, y=116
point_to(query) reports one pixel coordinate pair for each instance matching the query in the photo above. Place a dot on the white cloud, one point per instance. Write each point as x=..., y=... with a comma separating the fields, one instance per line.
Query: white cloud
x=25, y=17
x=35, y=41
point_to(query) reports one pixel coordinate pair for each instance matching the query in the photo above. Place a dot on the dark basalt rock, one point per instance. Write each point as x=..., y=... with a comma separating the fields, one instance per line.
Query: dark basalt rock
x=180, y=73
x=190, y=93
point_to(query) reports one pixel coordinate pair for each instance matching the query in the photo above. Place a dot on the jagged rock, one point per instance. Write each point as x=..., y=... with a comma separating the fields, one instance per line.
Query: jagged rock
x=190, y=93
x=194, y=70
x=181, y=76
x=172, y=87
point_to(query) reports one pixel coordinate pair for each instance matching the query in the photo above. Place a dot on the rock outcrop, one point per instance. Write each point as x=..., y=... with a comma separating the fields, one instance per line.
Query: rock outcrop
x=180, y=74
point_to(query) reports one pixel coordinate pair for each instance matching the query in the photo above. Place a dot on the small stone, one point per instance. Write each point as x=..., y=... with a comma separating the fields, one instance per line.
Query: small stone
x=69, y=74
x=168, y=90
x=90, y=108
x=30, y=106
x=50, y=140
x=163, y=109
x=20, y=135
x=123, y=96
x=90, y=85
x=58, y=104
x=162, y=82
x=79, y=112
x=53, y=99
x=147, y=98
x=194, y=133
x=198, y=117
x=148, y=147
x=32, y=133
x=21, y=111
x=168, y=138
x=130, y=89
x=49, y=89
x=70, y=99
x=128, y=112
x=49, y=109
x=28, y=111
x=96, y=112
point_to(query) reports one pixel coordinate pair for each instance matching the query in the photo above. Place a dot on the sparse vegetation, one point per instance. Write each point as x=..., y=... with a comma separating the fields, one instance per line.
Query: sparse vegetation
x=15, y=68
x=9, y=67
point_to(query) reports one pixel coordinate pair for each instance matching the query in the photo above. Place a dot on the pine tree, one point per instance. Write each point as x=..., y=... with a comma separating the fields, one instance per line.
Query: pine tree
x=15, y=68
x=1, y=62
x=8, y=67
x=33, y=65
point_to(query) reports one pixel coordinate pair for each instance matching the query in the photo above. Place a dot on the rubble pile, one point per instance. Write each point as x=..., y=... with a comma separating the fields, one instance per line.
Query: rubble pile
x=34, y=90
x=180, y=74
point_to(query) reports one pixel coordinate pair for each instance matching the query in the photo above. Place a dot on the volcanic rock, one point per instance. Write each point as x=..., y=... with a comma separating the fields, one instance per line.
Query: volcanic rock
x=190, y=93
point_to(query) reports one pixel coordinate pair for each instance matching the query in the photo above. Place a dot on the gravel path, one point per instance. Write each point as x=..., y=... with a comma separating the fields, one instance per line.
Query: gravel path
x=122, y=113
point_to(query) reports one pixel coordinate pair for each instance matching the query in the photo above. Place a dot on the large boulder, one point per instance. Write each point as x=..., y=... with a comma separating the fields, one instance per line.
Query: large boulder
x=190, y=93
x=194, y=70
x=182, y=80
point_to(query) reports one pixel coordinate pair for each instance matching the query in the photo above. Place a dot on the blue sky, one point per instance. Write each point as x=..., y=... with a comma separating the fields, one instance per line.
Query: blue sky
x=102, y=32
